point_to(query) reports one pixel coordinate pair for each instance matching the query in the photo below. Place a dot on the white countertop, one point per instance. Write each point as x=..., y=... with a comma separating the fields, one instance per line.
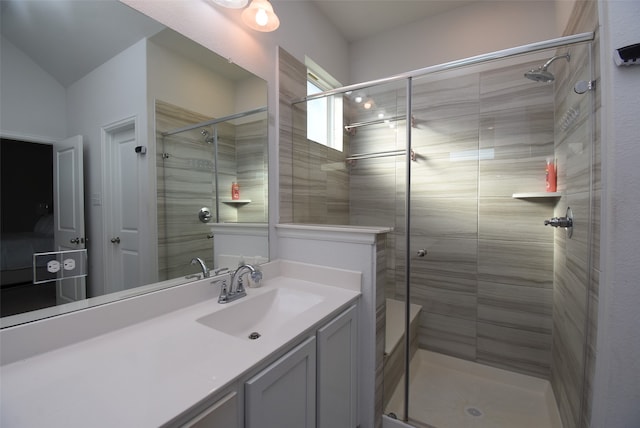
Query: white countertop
x=148, y=373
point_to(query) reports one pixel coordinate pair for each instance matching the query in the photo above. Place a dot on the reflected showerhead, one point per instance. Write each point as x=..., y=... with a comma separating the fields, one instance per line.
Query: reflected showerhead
x=207, y=139
x=541, y=74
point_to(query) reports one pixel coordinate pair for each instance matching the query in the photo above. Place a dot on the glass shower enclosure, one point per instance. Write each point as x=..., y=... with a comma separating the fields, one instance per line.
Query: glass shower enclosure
x=486, y=305
x=198, y=161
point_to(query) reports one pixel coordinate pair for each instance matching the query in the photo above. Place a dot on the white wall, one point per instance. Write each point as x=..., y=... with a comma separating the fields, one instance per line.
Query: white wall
x=112, y=92
x=251, y=93
x=202, y=91
x=564, y=9
x=460, y=33
x=617, y=379
x=32, y=100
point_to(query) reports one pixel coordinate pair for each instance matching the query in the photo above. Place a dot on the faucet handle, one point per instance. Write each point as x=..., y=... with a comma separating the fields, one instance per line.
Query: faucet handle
x=240, y=286
x=224, y=289
x=221, y=270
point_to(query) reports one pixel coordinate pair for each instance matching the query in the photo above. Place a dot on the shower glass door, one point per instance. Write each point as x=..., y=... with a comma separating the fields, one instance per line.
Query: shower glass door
x=186, y=190
x=197, y=162
x=501, y=298
x=482, y=299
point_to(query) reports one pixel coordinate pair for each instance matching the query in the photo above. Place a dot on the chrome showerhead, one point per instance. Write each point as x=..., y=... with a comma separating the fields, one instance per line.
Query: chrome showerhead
x=541, y=74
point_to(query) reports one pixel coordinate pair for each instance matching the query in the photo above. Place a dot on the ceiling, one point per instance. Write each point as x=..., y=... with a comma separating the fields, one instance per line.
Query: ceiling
x=70, y=38
x=358, y=19
x=58, y=49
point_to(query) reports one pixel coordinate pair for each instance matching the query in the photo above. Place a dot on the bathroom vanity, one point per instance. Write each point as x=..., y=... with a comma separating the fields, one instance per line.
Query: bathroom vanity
x=197, y=364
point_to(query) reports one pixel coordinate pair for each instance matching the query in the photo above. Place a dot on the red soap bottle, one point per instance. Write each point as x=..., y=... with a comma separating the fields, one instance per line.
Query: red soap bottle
x=235, y=191
x=551, y=175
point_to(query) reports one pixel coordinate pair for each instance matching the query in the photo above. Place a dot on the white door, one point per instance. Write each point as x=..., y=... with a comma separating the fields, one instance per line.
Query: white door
x=122, y=209
x=68, y=204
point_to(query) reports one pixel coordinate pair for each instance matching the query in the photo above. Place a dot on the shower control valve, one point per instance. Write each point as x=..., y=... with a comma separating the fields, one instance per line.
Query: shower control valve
x=559, y=222
x=566, y=222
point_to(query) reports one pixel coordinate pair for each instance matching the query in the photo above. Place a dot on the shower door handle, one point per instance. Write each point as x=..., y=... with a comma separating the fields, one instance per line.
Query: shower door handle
x=422, y=252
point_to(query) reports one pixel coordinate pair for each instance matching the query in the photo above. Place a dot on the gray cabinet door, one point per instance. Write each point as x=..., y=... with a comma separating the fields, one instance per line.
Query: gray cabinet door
x=337, y=372
x=284, y=394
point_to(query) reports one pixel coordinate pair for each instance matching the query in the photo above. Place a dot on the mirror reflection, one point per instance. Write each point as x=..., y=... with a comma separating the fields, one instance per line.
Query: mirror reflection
x=124, y=138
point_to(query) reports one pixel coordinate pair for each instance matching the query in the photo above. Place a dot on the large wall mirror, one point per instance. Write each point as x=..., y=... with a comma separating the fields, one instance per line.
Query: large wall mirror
x=125, y=139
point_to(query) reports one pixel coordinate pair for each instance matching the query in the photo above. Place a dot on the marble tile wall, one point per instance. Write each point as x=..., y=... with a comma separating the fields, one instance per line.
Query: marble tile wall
x=252, y=170
x=497, y=286
x=292, y=85
x=185, y=184
x=314, y=188
x=576, y=263
x=486, y=283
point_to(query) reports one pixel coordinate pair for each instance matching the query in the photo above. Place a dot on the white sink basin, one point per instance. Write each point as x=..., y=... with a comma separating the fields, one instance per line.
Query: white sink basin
x=264, y=314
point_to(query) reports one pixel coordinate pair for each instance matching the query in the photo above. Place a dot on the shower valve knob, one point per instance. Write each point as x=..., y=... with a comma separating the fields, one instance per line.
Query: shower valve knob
x=559, y=222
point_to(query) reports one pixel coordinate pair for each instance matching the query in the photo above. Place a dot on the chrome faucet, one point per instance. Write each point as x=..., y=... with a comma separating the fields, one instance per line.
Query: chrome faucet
x=235, y=289
x=205, y=271
x=256, y=276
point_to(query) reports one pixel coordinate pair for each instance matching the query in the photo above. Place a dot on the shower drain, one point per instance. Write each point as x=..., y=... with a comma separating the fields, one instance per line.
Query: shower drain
x=473, y=411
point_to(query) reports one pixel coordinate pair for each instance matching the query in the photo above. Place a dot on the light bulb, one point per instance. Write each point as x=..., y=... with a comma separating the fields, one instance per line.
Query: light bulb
x=261, y=17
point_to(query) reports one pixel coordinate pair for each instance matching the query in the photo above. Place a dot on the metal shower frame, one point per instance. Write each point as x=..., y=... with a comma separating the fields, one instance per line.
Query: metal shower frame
x=214, y=122
x=409, y=76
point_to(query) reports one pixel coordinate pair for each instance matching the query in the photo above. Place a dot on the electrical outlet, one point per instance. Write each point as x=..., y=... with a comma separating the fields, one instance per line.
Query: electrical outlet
x=69, y=264
x=53, y=266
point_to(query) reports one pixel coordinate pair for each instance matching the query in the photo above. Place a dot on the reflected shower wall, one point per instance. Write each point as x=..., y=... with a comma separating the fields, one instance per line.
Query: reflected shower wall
x=187, y=180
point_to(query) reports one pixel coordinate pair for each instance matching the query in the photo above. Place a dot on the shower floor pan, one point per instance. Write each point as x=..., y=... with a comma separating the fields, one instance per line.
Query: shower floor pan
x=447, y=392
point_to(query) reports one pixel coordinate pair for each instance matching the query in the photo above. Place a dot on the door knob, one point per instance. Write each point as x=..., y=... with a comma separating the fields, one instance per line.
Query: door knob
x=422, y=252
x=75, y=240
x=115, y=240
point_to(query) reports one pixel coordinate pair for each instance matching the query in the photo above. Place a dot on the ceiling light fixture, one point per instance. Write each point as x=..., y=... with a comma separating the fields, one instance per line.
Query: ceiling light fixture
x=259, y=15
x=231, y=4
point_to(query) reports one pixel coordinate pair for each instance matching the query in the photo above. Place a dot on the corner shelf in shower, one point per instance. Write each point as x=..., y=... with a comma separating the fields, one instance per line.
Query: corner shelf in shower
x=236, y=201
x=536, y=195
